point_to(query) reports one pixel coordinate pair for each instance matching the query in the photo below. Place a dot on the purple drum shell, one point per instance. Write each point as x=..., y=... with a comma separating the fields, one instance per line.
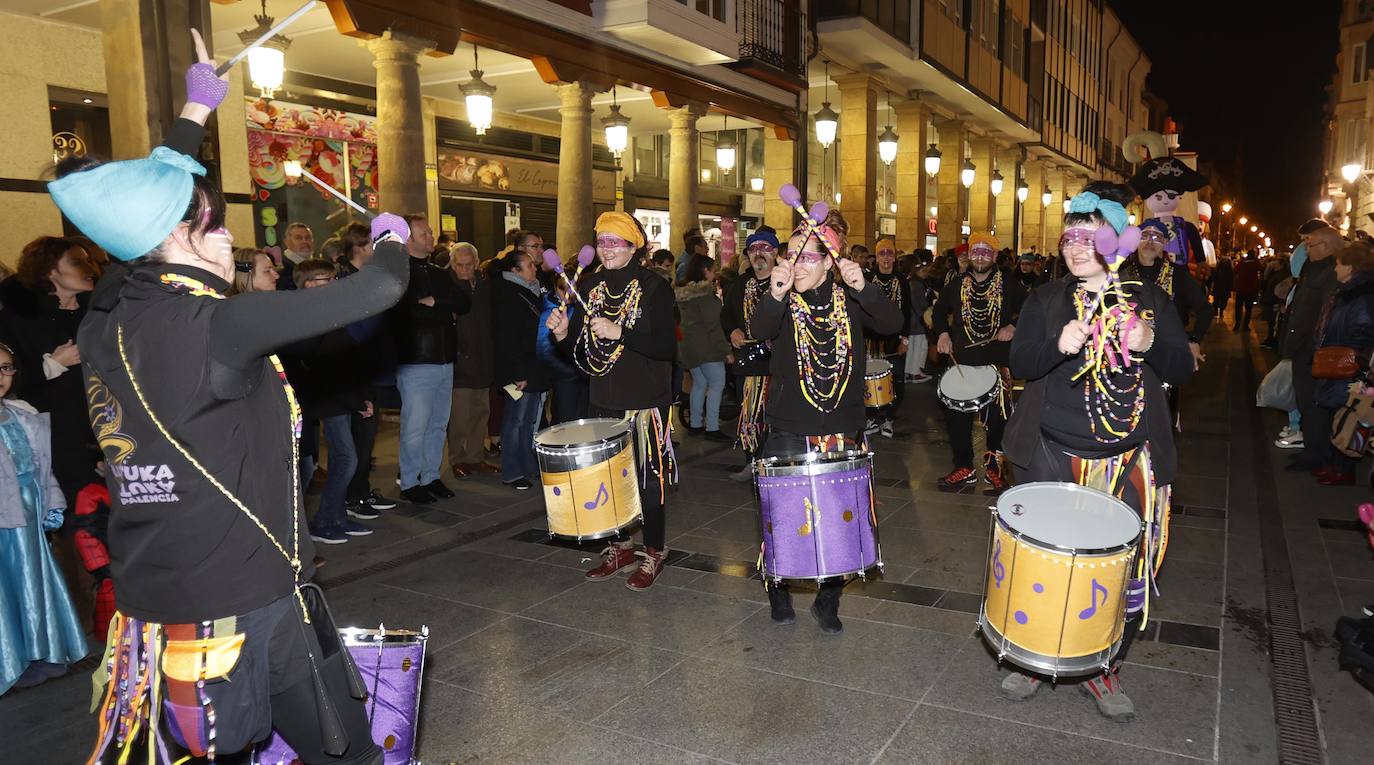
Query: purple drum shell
x=817, y=526
x=393, y=703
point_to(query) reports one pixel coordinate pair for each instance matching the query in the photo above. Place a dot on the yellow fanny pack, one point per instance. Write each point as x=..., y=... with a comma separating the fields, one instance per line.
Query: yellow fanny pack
x=183, y=659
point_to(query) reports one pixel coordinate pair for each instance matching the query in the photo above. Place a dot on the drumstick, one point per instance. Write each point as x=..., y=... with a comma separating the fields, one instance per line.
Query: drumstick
x=268, y=35
x=551, y=260
x=294, y=169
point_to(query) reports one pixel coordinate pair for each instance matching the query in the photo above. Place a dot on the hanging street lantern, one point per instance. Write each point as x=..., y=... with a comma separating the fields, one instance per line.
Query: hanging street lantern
x=995, y=184
x=267, y=62
x=967, y=173
x=617, y=127
x=477, y=95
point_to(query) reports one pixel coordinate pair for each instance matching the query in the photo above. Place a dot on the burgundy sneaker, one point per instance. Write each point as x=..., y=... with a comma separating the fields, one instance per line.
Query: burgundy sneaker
x=616, y=557
x=648, y=571
x=959, y=477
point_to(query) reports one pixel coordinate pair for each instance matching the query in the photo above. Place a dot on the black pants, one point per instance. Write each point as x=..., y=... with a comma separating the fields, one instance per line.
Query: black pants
x=571, y=399
x=960, y=428
x=1219, y=300
x=364, y=436
x=1316, y=421
x=784, y=444
x=655, y=523
x=272, y=687
x=1244, y=304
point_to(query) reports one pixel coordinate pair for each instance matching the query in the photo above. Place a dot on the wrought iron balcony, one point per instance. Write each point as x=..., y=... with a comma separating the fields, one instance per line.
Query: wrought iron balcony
x=773, y=40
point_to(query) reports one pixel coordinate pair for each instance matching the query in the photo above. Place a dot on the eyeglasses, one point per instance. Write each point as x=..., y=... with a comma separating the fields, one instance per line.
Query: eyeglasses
x=1154, y=236
x=8, y=370
x=762, y=248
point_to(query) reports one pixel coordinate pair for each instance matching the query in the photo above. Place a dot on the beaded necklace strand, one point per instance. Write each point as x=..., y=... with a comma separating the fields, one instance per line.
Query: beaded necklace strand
x=821, y=334
x=596, y=356
x=892, y=287
x=752, y=292
x=1114, y=405
x=980, y=307
x=1164, y=279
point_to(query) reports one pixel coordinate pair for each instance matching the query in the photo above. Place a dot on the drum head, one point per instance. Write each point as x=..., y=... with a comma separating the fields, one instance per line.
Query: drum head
x=878, y=367
x=1068, y=516
x=812, y=463
x=581, y=432
x=962, y=382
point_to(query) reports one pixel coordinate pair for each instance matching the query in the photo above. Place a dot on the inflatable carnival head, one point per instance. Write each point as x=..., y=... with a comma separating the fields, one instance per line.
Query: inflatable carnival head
x=1161, y=181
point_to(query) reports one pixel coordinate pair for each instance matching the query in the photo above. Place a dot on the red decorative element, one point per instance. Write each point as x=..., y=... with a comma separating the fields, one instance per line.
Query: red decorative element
x=92, y=517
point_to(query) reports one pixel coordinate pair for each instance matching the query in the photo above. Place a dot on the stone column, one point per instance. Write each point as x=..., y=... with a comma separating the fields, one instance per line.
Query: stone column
x=400, y=123
x=952, y=210
x=778, y=169
x=859, y=157
x=575, y=219
x=980, y=195
x=147, y=50
x=683, y=172
x=911, y=174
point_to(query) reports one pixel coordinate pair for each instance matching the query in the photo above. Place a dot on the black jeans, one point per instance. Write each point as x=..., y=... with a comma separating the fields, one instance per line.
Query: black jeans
x=960, y=428
x=571, y=399
x=655, y=523
x=1244, y=304
x=1316, y=421
x=364, y=437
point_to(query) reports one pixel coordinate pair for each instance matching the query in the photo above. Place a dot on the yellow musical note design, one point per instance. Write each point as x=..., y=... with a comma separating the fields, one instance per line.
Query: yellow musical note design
x=812, y=515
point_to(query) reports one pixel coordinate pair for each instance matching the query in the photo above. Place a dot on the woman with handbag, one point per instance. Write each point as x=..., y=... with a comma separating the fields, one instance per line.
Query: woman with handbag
x=1347, y=338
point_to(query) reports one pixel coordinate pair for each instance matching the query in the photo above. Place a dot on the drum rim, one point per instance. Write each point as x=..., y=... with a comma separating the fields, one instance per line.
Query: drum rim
x=367, y=635
x=1022, y=536
x=996, y=378
x=1039, y=662
x=879, y=374
x=579, y=444
x=790, y=462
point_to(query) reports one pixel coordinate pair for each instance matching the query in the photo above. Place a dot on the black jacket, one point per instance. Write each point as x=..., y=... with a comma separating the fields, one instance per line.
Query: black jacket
x=472, y=368
x=325, y=373
x=1349, y=323
x=1184, y=290
x=32, y=325
x=1316, y=285
x=1035, y=354
x=788, y=410
x=181, y=551
x=642, y=377
x=753, y=359
x=947, y=317
x=889, y=342
x=515, y=315
x=427, y=334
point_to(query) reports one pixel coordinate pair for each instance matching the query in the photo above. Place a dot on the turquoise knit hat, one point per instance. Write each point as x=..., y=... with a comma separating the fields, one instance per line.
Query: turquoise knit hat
x=129, y=207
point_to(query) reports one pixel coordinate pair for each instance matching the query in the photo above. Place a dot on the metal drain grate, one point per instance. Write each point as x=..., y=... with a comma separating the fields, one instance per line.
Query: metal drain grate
x=1295, y=713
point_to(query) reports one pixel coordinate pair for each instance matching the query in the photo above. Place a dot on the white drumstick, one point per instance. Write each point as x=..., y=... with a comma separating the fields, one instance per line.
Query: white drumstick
x=294, y=169
x=268, y=35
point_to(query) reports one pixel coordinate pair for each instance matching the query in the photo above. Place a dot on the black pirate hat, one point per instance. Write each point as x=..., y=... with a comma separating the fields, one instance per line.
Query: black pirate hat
x=1166, y=173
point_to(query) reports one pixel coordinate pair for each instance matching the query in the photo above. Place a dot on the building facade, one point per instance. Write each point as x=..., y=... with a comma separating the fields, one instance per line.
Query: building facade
x=1351, y=107
x=1023, y=100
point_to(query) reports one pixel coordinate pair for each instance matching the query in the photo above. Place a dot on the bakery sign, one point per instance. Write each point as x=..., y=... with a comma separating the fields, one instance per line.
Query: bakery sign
x=462, y=170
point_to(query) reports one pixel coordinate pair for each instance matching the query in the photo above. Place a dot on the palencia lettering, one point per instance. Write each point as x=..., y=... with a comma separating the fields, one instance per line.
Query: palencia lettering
x=146, y=484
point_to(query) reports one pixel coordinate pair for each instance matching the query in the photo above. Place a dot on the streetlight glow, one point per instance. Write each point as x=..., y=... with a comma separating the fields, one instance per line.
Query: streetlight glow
x=1324, y=206
x=1226, y=208
x=967, y=173
x=1244, y=220
x=1351, y=171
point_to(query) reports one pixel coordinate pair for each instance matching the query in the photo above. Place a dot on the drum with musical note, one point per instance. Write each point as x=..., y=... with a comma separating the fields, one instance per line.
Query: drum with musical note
x=817, y=515
x=1059, y=561
x=878, y=389
x=591, y=489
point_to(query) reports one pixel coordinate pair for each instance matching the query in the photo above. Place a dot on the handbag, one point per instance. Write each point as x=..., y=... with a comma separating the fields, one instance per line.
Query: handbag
x=1335, y=362
x=1352, y=427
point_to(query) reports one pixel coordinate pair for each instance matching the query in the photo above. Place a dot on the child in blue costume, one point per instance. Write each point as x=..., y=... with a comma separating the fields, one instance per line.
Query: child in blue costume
x=40, y=633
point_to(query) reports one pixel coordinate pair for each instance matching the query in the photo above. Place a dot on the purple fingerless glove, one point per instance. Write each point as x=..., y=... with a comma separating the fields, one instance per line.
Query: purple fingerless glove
x=387, y=222
x=203, y=87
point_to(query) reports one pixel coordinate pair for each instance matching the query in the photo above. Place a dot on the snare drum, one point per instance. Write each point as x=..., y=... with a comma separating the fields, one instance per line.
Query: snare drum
x=965, y=388
x=1055, y=597
x=878, y=389
x=391, y=663
x=817, y=515
x=587, y=467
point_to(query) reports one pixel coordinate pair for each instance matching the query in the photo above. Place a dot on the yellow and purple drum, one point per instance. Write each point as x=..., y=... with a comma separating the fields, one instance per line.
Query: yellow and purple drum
x=591, y=489
x=878, y=383
x=1055, y=596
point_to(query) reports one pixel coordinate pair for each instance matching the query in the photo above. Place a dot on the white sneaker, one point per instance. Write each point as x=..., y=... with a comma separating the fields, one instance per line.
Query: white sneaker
x=1293, y=441
x=871, y=427
x=886, y=429
x=1286, y=431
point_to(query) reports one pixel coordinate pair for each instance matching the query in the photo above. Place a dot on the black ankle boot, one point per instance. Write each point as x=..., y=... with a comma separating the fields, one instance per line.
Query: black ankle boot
x=826, y=609
x=780, y=600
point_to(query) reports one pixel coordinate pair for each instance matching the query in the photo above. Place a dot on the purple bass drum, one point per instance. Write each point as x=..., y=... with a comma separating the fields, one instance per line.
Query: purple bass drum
x=392, y=663
x=817, y=515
